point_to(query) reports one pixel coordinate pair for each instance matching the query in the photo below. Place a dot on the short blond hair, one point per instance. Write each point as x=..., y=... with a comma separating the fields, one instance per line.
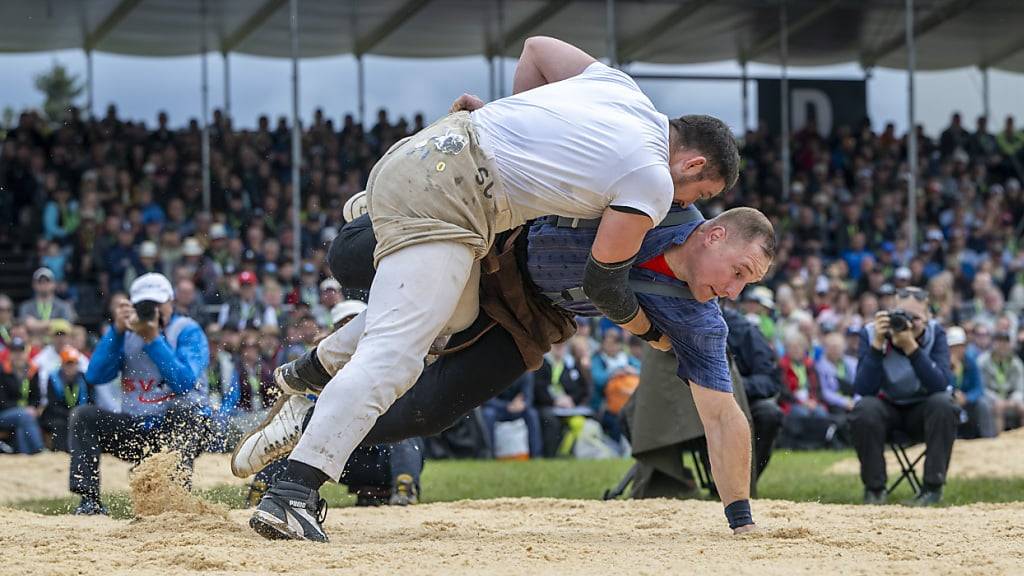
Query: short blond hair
x=749, y=225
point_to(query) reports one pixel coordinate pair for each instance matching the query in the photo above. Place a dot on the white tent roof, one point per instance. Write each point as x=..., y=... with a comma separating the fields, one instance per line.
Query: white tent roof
x=951, y=33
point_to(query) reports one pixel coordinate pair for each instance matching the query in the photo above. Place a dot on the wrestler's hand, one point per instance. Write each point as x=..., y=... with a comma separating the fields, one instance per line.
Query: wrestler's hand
x=467, y=102
x=663, y=343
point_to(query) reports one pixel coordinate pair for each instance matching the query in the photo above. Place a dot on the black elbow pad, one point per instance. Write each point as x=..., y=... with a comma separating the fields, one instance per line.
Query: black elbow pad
x=607, y=287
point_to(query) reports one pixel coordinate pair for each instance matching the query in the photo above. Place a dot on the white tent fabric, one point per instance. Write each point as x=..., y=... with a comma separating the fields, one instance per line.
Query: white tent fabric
x=951, y=33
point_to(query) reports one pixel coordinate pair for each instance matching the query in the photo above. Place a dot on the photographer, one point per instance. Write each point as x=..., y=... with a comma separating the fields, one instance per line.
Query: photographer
x=162, y=358
x=903, y=377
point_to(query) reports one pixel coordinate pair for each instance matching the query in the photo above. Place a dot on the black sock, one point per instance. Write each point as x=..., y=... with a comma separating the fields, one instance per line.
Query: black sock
x=304, y=475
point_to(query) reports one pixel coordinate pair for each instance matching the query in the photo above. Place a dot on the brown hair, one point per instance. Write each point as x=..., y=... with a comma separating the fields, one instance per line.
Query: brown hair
x=713, y=139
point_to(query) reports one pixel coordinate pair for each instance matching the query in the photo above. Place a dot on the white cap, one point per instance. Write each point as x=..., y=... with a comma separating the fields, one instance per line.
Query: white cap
x=152, y=287
x=148, y=249
x=955, y=336
x=355, y=207
x=346, y=309
x=192, y=247
x=903, y=273
x=218, y=231
x=330, y=284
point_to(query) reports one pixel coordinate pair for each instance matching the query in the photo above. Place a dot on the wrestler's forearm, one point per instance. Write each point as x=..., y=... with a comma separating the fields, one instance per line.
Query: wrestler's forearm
x=728, y=435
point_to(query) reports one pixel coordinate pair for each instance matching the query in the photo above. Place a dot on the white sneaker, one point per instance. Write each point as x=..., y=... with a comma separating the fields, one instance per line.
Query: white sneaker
x=273, y=439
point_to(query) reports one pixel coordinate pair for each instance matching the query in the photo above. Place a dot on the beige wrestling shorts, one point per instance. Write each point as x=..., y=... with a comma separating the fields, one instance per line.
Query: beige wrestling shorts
x=437, y=185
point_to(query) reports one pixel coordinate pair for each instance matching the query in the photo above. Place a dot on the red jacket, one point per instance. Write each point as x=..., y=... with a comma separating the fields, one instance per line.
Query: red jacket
x=791, y=384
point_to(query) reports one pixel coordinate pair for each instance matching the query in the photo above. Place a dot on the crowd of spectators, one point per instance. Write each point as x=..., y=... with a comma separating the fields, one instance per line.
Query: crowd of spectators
x=105, y=201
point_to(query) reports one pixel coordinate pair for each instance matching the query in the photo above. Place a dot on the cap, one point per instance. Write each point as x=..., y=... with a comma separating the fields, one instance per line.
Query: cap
x=955, y=336
x=218, y=231
x=192, y=247
x=935, y=234
x=148, y=249
x=41, y=273
x=247, y=278
x=308, y=268
x=60, y=326
x=886, y=290
x=346, y=309
x=69, y=354
x=152, y=287
x=821, y=285
x=249, y=255
x=354, y=207
x=902, y=273
x=330, y=284
x=17, y=343
x=762, y=295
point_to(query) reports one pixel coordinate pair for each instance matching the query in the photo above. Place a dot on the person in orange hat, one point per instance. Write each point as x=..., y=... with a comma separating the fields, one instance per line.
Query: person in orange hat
x=19, y=399
x=65, y=389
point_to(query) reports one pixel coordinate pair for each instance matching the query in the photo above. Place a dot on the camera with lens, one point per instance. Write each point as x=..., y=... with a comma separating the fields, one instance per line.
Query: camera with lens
x=145, y=310
x=899, y=320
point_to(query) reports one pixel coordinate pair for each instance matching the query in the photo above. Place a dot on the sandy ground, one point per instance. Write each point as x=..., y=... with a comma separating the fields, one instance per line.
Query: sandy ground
x=46, y=475
x=535, y=536
x=1000, y=457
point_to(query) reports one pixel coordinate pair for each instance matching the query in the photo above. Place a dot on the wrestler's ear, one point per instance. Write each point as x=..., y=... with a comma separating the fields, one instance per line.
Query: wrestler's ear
x=715, y=235
x=694, y=166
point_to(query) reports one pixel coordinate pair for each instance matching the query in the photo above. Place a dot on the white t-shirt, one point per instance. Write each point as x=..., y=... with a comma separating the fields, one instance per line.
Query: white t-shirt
x=575, y=147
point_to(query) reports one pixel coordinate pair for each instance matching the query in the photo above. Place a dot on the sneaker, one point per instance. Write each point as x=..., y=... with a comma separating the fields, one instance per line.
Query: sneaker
x=875, y=497
x=273, y=439
x=371, y=496
x=302, y=376
x=405, y=493
x=927, y=497
x=290, y=511
x=257, y=490
x=90, y=507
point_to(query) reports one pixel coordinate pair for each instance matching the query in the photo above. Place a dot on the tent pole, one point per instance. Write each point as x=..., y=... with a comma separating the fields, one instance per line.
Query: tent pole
x=227, y=84
x=296, y=137
x=745, y=98
x=610, y=24
x=985, y=95
x=206, y=114
x=88, y=84
x=911, y=129
x=361, y=90
x=491, y=79
x=784, y=96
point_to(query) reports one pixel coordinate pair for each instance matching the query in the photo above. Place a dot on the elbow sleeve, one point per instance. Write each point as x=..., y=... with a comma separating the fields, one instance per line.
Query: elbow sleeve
x=607, y=287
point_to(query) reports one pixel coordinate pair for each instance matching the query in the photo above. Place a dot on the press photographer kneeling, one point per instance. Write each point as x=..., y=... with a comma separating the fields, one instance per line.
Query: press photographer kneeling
x=903, y=378
x=162, y=358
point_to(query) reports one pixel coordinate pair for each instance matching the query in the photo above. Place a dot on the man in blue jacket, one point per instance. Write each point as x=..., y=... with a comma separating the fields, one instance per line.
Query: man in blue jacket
x=903, y=376
x=162, y=359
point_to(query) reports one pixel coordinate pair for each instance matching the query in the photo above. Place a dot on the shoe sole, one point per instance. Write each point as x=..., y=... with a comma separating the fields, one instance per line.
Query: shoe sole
x=278, y=406
x=273, y=528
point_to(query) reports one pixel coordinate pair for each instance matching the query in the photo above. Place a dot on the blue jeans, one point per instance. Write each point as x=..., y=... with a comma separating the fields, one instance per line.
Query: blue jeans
x=28, y=437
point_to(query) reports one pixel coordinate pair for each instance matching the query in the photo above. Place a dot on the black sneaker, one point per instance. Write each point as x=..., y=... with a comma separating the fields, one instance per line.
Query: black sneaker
x=927, y=497
x=405, y=492
x=90, y=507
x=290, y=511
x=304, y=375
x=875, y=497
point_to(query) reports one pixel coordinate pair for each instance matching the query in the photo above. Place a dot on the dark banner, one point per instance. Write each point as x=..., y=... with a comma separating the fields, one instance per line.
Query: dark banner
x=829, y=103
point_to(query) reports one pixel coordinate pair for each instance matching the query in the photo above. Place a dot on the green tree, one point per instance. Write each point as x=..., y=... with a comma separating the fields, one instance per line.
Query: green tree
x=60, y=89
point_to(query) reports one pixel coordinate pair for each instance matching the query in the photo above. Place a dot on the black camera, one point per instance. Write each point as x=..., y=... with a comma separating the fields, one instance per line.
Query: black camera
x=145, y=310
x=899, y=320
